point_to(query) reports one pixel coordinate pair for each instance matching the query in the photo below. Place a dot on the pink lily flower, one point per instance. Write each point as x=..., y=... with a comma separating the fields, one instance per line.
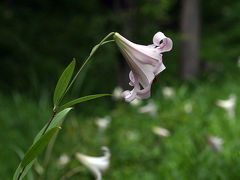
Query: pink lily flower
x=145, y=63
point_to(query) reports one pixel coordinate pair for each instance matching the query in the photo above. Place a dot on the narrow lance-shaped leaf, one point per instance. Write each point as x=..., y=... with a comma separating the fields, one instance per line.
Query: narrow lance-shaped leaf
x=63, y=82
x=33, y=152
x=38, y=147
x=20, y=153
x=57, y=119
x=82, y=99
x=25, y=172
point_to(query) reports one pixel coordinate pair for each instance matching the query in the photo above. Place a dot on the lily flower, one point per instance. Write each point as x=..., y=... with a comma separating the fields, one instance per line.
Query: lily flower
x=168, y=92
x=188, y=107
x=132, y=135
x=228, y=105
x=117, y=93
x=215, y=143
x=103, y=123
x=238, y=62
x=63, y=160
x=96, y=164
x=160, y=131
x=145, y=63
x=136, y=102
x=150, y=108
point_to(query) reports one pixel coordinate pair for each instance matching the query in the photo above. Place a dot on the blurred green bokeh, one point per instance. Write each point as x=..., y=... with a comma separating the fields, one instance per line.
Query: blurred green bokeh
x=38, y=39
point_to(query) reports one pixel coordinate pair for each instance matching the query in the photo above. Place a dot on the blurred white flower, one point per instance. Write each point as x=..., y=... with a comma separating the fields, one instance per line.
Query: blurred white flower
x=160, y=131
x=103, y=123
x=168, y=92
x=136, y=102
x=96, y=164
x=117, y=93
x=228, y=105
x=238, y=62
x=63, y=160
x=132, y=135
x=215, y=143
x=188, y=107
x=150, y=108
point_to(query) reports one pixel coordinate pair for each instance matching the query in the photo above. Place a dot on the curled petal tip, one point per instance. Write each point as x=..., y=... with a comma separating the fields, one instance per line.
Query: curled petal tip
x=164, y=43
x=129, y=95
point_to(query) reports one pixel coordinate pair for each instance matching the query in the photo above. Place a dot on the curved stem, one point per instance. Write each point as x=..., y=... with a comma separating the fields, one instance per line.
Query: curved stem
x=89, y=57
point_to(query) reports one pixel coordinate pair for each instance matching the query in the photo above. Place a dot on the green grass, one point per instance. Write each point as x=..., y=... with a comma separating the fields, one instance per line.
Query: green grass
x=184, y=155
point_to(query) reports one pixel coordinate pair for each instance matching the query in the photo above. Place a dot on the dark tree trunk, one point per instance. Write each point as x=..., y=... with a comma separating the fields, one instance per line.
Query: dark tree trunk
x=189, y=51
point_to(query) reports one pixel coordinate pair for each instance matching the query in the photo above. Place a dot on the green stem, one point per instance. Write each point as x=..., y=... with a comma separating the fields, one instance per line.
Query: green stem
x=49, y=122
x=89, y=57
x=71, y=173
x=20, y=174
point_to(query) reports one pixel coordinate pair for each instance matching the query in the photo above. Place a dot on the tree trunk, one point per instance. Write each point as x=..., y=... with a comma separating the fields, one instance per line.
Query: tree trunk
x=189, y=51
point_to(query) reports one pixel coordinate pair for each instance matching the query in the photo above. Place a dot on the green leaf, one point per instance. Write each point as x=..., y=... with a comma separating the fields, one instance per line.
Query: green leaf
x=20, y=153
x=29, y=158
x=38, y=147
x=27, y=168
x=57, y=119
x=63, y=82
x=82, y=99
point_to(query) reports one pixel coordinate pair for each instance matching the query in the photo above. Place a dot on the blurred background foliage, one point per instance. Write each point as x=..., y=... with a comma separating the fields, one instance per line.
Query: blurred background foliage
x=38, y=39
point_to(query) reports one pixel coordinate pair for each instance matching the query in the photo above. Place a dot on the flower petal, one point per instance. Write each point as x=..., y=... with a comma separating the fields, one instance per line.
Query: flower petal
x=164, y=43
x=143, y=71
x=96, y=164
x=129, y=95
x=151, y=54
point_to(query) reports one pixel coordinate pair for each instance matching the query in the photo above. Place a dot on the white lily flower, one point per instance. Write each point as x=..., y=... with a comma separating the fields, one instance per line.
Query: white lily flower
x=145, y=63
x=168, y=92
x=150, y=108
x=160, y=131
x=136, y=102
x=103, y=123
x=238, y=62
x=228, y=105
x=96, y=164
x=188, y=107
x=132, y=135
x=215, y=143
x=63, y=160
x=117, y=93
